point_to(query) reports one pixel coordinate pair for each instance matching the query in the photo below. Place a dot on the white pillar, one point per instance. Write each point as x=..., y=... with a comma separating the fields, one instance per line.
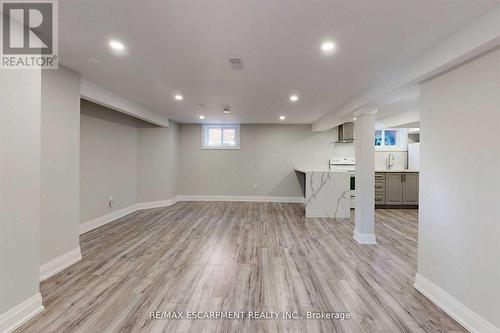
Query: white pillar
x=20, y=142
x=364, y=226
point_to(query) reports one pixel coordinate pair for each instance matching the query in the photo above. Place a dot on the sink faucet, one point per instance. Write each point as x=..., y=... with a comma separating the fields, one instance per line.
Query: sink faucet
x=390, y=161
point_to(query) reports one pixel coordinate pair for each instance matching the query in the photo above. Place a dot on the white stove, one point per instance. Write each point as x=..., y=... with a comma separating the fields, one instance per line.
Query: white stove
x=346, y=164
x=343, y=163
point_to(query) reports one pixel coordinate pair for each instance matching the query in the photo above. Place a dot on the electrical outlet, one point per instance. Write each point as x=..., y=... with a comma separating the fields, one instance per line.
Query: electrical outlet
x=111, y=201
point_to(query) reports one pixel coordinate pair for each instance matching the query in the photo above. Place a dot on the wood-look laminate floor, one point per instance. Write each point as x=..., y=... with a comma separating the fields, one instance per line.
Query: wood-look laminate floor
x=221, y=256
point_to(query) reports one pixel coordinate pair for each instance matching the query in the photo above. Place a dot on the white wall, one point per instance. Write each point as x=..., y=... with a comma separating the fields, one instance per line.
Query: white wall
x=157, y=162
x=60, y=163
x=459, y=230
x=20, y=114
x=267, y=157
x=108, y=160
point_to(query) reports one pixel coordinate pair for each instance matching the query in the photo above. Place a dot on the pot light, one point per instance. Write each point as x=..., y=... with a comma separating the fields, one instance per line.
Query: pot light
x=294, y=98
x=116, y=45
x=327, y=47
x=282, y=117
x=355, y=118
x=202, y=117
x=227, y=112
x=178, y=97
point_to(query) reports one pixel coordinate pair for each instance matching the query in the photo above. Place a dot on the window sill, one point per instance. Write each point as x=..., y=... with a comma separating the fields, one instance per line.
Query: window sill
x=220, y=147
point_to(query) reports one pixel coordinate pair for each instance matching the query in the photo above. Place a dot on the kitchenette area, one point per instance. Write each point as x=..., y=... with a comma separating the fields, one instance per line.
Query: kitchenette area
x=330, y=190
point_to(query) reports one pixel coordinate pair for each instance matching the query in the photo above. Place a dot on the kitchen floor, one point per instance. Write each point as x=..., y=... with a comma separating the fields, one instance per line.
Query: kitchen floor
x=222, y=256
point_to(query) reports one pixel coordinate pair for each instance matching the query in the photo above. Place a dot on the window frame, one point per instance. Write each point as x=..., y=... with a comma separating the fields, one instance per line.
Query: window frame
x=204, y=136
x=401, y=140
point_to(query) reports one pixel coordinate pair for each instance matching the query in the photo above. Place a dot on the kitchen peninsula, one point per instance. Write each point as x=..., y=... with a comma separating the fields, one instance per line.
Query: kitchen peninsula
x=327, y=192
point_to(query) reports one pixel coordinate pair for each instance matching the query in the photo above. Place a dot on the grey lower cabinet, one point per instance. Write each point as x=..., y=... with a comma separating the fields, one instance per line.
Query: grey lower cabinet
x=396, y=189
x=393, y=188
x=410, y=189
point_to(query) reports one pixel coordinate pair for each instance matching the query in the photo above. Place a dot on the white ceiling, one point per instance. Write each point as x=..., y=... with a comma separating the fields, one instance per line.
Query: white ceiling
x=184, y=46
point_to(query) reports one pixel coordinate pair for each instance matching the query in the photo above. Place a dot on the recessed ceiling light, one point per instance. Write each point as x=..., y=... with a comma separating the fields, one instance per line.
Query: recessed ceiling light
x=178, y=97
x=202, y=117
x=116, y=45
x=282, y=117
x=355, y=118
x=294, y=98
x=227, y=112
x=327, y=46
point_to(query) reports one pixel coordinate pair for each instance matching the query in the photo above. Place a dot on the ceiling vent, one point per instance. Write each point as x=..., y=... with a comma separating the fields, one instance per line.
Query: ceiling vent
x=236, y=63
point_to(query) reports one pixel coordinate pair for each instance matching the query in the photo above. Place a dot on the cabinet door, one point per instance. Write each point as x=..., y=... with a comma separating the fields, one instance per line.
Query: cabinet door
x=393, y=188
x=410, y=189
x=379, y=188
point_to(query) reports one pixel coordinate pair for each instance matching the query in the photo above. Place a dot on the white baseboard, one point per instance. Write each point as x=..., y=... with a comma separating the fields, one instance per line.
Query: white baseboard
x=102, y=220
x=105, y=219
x=21, y=313
x=156, y=204
x=457, y=310
x=366, y=239
x=247, y=198
x=58, y=264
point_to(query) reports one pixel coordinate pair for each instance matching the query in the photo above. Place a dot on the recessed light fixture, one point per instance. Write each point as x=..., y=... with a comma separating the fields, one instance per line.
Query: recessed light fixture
x=327, y=47
x=282, y=117
x=355, y=118
x=227, y=111
x=178, y=97
x=116, y=45
x=202, y=117
x=294, y=98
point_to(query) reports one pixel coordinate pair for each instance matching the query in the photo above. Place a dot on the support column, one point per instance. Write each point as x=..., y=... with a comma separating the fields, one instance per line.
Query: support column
x=364, y=227
x=20, y=114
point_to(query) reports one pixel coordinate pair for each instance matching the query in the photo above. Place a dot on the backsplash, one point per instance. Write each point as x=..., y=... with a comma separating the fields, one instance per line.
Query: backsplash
x=400, y=159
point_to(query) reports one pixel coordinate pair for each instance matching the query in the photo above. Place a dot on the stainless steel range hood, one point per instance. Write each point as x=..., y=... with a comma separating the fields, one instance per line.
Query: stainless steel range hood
x=346, y=133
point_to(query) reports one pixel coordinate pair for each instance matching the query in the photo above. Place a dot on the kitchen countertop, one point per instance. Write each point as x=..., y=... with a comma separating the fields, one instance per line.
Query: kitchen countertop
x=321, y=168
x=315, y=168
x=396, y=170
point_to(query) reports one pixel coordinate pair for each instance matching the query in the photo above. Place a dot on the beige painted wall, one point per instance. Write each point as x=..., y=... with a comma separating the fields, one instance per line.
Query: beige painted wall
x=108, y=160
x=60, y=163
x=157, y=162
x=20, y=117
x=459, y=227
x=267, y=157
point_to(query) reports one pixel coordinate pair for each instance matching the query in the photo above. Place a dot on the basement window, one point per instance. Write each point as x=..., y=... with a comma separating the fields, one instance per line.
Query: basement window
x=386, y=138
x=392, y=139
x=225, y=136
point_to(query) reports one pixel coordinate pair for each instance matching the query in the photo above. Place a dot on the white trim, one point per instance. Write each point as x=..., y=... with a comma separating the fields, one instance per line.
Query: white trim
x=366, y=239
x=58, y=264
x=457, y=310
x=249, y=198
x=105, y=219
x=100, y=221
x=21, y=313
x=156, y=204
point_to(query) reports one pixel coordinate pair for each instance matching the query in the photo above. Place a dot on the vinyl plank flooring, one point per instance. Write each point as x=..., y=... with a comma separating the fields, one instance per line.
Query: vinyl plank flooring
x=240, y=256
